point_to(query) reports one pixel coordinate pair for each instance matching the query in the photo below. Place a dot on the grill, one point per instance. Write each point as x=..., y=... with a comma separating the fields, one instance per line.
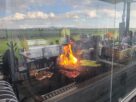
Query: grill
x=59, y=91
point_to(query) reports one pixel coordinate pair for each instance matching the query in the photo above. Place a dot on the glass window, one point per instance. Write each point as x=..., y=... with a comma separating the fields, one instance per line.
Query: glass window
x=68, y=50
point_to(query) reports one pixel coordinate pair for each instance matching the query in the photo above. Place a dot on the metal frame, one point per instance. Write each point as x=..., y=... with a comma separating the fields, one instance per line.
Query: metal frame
x=129, y=96
x=126, y=10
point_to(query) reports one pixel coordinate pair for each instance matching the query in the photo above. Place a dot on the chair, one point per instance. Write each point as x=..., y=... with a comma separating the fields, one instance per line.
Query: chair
x=6, y=92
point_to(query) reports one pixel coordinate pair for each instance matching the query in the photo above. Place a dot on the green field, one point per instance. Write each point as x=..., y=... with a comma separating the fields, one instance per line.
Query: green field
x=50, y=40
x=50, y=35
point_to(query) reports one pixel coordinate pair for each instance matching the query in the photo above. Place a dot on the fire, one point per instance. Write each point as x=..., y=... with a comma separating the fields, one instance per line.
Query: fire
x=67, y=58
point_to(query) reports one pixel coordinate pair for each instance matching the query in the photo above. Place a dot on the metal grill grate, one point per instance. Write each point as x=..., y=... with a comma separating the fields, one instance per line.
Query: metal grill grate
x=59, y=91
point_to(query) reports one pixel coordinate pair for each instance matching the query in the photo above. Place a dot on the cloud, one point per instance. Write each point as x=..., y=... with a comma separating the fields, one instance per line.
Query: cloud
x=35, y=15
x=111, y=13
x=52, y=15
x=73, y=13
x=77, y=3
x=18, y=16
x=77, y=14
x=91, y=13
x=30, y=15
x=42, y=2
x=2, y=5
x=41, y=19
x=16, y=5
x=13, y=6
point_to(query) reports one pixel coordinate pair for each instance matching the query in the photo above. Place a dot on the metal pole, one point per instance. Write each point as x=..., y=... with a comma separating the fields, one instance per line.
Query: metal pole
x=128, y=16
x=124, y=10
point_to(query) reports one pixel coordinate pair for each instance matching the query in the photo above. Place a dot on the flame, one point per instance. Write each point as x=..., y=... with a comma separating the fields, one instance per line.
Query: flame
x=67, y=58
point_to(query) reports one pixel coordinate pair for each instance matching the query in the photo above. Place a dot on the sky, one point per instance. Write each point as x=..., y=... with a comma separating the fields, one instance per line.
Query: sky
x=61, y=13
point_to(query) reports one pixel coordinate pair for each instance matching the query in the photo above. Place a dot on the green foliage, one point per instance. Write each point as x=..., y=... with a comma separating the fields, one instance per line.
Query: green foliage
x=65, y=32
x=51, y=35
x=3, y=45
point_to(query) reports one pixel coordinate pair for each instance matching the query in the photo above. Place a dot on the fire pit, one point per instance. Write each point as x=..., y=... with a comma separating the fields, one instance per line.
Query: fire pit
x=70, y=65
x=67, y=59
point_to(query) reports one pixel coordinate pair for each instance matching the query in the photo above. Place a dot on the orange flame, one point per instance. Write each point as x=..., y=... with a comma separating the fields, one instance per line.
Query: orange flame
x=67, y=58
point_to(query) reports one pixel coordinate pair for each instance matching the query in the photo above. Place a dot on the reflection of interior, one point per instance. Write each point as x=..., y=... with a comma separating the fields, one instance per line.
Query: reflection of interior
x=72, y=70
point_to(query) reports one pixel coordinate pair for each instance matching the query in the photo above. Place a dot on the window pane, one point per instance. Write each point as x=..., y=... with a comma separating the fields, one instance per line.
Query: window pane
x=81, y=49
